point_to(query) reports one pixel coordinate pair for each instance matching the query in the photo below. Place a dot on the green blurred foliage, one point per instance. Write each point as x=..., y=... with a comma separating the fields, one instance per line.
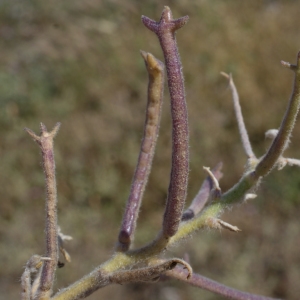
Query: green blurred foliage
x=78, y=62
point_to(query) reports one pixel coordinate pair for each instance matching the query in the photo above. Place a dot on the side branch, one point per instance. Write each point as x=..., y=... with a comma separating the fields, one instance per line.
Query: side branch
x=45, y=141
x=281, y=140
x=155, y=70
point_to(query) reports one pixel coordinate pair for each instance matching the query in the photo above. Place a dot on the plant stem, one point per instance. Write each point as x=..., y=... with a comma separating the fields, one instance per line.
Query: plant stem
x=45, y=141
x=282, y=138
x=213, y=286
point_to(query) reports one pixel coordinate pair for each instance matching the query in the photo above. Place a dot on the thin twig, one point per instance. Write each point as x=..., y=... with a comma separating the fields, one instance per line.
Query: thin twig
x=165, y=30
x=155, y=70
x=213, y=286
x=239, y=117
x=45, y=141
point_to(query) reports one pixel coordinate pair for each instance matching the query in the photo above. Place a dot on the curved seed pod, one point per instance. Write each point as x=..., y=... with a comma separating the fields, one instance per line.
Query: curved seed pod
x=155, y=70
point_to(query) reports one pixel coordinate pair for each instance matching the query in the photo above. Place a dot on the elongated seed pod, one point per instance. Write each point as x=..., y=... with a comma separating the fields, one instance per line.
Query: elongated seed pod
x=155, y=70
x=165, y=30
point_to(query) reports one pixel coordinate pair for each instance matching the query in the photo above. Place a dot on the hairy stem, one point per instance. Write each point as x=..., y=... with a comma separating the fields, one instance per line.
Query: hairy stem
x=45, y=141
x=282, y=138
x=150, y=273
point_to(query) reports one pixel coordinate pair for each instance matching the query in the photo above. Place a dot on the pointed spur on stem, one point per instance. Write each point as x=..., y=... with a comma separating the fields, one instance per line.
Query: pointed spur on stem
x=155, y=70
x=165, y=30
x=45, y=141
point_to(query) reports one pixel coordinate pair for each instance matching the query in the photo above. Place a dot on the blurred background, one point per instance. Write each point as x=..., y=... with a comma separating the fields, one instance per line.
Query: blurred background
x=78, y=62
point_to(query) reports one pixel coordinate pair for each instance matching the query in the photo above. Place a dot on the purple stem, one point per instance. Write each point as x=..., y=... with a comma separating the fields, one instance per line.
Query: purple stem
x=213, y=286
x=165, y=30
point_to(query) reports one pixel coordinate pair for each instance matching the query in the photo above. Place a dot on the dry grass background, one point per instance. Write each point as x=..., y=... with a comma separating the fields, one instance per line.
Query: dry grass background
x=78, y=62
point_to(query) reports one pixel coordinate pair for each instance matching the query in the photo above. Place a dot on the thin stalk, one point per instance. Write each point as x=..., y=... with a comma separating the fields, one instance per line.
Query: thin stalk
x=239, y=117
